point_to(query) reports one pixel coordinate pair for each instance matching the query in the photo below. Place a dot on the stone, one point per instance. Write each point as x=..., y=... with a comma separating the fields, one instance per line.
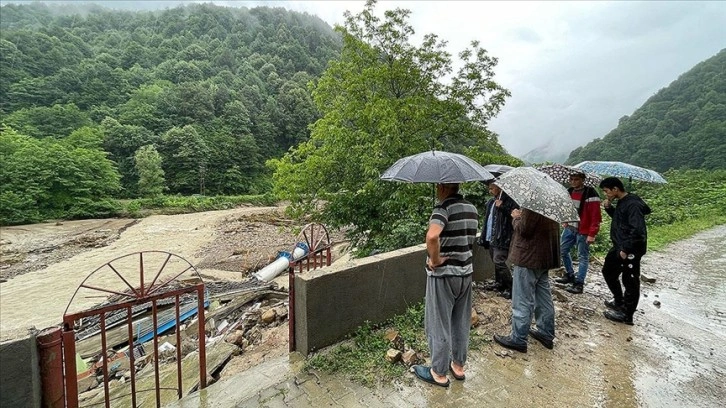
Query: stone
x=393, y=355
x=410, y=358
x=474, y=318
x=269, y=316
x=281, y=312
x=237, y=338
x=656, y=303
x=394, y=338
x=558, y=295
x=647, y=279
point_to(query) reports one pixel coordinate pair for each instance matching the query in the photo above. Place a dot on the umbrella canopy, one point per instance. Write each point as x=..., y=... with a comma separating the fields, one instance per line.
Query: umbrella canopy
x=620, y=169
x=562, y=173
x=532, y=189
x=436, y=167
x=497, y=169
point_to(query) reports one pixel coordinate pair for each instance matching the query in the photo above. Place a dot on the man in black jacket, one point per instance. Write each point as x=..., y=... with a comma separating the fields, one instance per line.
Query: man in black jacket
x=496, y=235
x=629, y=236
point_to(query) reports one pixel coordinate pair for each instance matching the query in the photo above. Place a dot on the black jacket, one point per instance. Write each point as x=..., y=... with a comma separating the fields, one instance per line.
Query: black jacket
x=627, y=229
x=502, y=228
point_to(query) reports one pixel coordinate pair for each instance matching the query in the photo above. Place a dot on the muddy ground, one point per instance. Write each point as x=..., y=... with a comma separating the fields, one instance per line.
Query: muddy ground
x=41, y=265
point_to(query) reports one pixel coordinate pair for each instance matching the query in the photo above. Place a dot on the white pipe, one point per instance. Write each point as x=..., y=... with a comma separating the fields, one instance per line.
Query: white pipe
x=270, y=271
x=282, y=262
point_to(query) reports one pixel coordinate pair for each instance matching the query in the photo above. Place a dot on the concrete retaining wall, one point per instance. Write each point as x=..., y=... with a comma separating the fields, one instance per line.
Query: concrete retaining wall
x=332, y=302
x=19, y=373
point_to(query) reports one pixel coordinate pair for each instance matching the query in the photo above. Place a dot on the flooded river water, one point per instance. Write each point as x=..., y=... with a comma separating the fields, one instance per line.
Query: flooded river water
x=683, y=335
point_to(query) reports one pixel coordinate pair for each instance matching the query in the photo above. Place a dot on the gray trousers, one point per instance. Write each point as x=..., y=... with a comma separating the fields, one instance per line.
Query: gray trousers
x=447, y=320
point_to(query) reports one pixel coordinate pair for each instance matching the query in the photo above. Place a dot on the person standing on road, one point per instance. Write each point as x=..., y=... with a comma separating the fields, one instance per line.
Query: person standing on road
x=496, y=235
x=449, y=268
x=580, y=234
x=535, y=250
x=629, y=237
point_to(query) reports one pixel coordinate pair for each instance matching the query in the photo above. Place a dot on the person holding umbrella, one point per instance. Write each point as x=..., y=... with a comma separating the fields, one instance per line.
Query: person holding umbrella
x=496, y=235
x=535, y=249
x=447, y=317
x=629, y=236
x=580, y=234
x=449, y=242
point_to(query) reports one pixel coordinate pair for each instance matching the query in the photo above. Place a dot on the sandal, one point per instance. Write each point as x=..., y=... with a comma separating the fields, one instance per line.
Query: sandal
x=424, y=374
x=458, y=377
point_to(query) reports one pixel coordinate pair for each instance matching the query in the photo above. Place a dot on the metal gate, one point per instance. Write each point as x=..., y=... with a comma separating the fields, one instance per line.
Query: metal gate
x=137, y=307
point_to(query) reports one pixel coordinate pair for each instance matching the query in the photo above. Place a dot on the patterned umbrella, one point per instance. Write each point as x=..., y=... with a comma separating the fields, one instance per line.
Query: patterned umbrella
x=562, y=173
x=436, y=167
x=537, y=191
x=620, y=169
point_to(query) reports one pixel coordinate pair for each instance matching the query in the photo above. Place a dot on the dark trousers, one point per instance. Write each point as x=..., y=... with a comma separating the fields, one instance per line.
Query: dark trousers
x=629, y=269
x=502, y=274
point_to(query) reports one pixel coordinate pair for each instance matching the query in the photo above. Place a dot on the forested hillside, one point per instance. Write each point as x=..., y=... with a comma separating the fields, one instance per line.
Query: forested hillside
x=683, y=126
x=97, y=103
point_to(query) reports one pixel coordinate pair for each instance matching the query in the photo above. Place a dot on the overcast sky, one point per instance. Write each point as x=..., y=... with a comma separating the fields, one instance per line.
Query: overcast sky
x=574, y=68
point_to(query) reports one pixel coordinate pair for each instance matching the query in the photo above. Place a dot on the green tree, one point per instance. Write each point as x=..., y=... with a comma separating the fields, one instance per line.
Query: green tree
x=151, y=175
x=381, y=100
x=186, y=157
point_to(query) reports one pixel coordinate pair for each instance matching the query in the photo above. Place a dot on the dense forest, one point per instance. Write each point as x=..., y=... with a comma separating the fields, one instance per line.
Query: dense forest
x=97, y=103
x=682, y=126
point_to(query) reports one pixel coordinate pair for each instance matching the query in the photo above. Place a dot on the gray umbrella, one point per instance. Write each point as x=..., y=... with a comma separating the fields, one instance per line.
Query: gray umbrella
x=436, y=167
x=532, y=189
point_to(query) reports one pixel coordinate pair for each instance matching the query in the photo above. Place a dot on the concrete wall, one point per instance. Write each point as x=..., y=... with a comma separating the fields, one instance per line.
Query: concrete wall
x=19, y=373
x=332, y=302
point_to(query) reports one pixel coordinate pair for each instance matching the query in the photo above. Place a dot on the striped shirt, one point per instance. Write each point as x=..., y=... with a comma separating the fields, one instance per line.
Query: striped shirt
x=460, y=221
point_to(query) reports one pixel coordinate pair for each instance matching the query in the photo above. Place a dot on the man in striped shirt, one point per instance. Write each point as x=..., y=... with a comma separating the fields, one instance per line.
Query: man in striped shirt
x=449, y=242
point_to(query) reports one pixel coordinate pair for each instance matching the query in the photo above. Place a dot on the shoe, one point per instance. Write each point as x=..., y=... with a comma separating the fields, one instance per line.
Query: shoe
x=565, y=279
x=612, y=304
x=540, y=337
x=618, y=316
x=575, y=288
x=424, y=374
x=506, y=341
x=506, y=294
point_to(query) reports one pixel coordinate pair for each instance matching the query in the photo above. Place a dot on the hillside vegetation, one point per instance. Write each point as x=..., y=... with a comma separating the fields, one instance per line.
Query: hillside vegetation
x=209, y=92
x=683, y=126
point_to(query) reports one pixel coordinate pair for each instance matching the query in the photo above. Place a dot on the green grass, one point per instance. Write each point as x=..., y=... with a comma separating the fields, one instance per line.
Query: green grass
x=662, y=235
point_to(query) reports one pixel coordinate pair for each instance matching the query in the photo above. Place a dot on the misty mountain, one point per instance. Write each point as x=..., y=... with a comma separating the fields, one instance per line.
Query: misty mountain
x=549, y=152
x=682, y=126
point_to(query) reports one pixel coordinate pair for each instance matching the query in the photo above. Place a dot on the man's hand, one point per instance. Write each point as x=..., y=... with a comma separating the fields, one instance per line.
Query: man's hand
x=623, y=255
x=606, y=203
x=498, y=202
x=590, y=239
x=433, y=265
